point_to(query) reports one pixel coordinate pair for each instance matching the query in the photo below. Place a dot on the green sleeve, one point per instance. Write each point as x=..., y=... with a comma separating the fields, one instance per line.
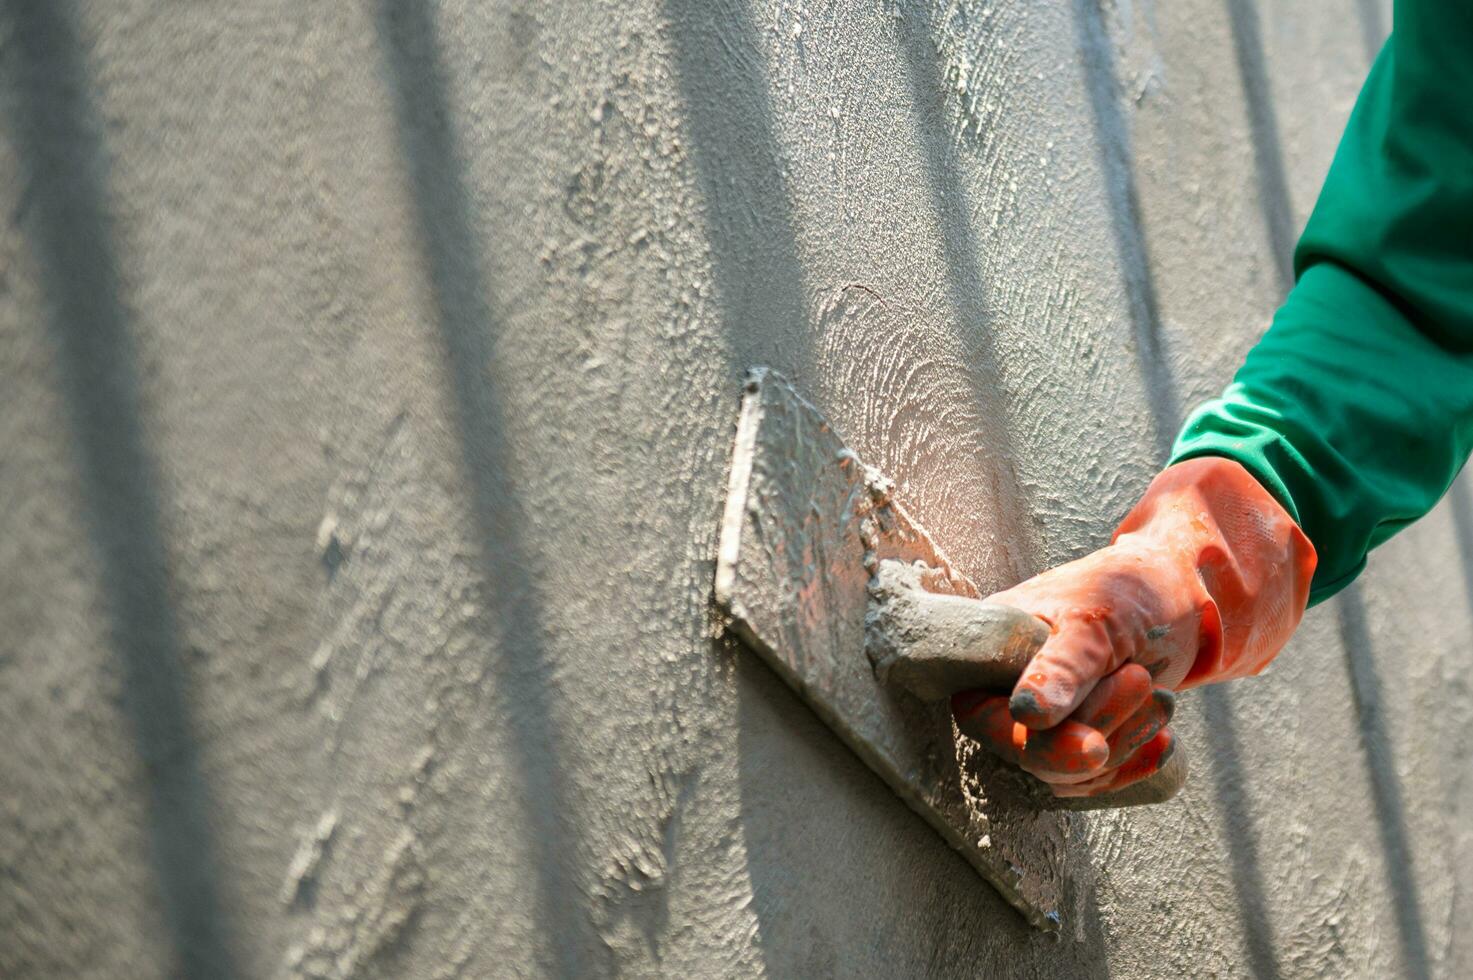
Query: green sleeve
x=1356, y=408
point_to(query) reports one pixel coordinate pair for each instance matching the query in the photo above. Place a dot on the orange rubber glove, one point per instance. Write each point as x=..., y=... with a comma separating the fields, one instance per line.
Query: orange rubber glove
x=1205, y=580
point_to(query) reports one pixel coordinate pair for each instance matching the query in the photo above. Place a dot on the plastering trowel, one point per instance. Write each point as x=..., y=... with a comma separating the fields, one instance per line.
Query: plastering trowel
x=828, y=578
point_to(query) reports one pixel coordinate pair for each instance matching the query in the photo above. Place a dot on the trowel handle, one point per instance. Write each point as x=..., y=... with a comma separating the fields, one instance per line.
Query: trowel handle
x=933, y=645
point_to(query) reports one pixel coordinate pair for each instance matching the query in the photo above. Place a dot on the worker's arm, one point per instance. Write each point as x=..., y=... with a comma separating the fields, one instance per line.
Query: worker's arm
x=1356, y=408
x=1347, y=422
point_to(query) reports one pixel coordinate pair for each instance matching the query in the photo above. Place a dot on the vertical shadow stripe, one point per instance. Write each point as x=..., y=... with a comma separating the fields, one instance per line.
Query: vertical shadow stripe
x=1278, y=218
x=1224, y=750
x=454, y=258
x=1244, y=864
x=727, y=117
x=967, y=292
x=948, y=186
x=64, y=163
x=1263, y=125
x=1112, y=140
x=1386, y=792
x=1372, y=27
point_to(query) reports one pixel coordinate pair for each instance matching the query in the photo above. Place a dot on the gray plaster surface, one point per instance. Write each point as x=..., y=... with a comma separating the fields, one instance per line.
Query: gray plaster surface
x=370, y=372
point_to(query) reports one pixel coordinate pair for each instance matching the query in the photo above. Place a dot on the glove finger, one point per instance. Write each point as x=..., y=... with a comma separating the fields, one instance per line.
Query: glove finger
x=1067, y=749
x=1063, y=672
x=1141, y=726
x=985, y=717
x=1136, y=731
x=1115, y=699
x=1145, y=763
x=1070, y=749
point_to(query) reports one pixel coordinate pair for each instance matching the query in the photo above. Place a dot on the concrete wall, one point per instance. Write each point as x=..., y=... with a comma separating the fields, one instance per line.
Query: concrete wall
x=369, y=376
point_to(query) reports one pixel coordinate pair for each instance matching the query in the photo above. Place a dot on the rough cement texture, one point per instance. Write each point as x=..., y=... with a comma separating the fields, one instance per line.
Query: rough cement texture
x=370, y=371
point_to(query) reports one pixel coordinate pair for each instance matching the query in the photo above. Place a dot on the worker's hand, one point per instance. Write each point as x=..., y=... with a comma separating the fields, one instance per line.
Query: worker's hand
x=1205, y=580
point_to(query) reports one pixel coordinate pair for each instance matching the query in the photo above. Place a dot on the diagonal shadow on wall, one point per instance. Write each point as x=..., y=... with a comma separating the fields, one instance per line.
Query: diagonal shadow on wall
x=1273, y=195
x=1386, y=793
x=1245, y=865
x=966, y=291
x=64, y=163
x=1372, y=26
x=454, y=258
x=732, y=138
x=1112, y=136
x=1460, y=503
x=1263, y=124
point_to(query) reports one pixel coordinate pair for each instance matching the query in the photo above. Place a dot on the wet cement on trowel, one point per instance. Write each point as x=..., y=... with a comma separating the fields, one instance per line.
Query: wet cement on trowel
x=806, y=527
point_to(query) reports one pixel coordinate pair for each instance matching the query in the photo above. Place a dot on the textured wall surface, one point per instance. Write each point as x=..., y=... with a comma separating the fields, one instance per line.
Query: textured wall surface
x=369, y=377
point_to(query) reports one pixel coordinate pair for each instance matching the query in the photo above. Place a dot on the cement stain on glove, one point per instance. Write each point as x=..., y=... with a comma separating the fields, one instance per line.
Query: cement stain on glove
x=1205, y=580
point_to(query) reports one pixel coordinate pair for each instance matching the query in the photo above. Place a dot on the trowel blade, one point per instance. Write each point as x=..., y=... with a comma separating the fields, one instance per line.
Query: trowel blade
x=805, y=524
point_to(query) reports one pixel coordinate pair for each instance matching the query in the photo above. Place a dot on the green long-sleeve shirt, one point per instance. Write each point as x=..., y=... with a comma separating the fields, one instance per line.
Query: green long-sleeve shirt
x=1356, y=408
